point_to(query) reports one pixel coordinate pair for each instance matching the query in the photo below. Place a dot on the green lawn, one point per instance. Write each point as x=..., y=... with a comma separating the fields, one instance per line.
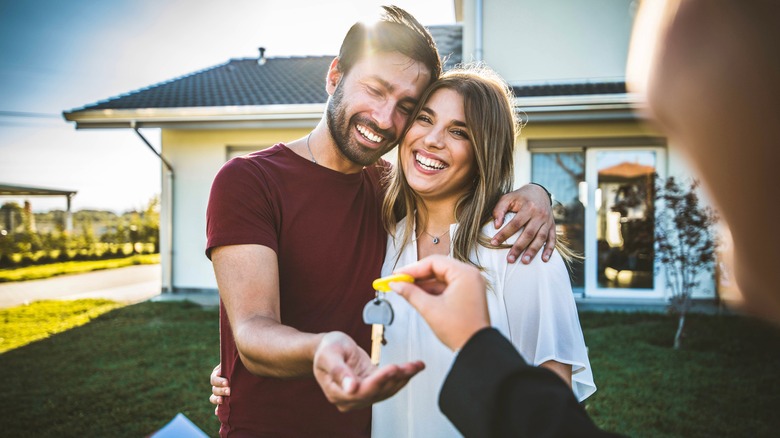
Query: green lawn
x=25, y=324
x=53, y=269
x=129, y=371
x=722, y=383
x=124, y=374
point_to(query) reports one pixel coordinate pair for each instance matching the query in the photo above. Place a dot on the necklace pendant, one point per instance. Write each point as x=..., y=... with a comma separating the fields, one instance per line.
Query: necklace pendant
x=435, y=240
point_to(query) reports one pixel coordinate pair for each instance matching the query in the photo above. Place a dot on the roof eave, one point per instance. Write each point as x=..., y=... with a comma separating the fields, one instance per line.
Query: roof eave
x=537, y=109
x=580, y=108
x=223, y=117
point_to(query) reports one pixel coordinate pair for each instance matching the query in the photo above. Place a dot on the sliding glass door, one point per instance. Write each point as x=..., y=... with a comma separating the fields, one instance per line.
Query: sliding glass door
x=620, y=222
x=605, y=211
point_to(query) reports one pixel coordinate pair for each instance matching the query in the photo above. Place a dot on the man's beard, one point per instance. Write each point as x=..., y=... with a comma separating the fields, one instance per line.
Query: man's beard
x=339, y=127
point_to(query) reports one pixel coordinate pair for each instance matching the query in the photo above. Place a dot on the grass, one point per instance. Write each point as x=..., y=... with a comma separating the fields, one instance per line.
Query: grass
x=130, y=370
x=723, y=382
x=24, y=324
x=125, y=374
x=53, y=269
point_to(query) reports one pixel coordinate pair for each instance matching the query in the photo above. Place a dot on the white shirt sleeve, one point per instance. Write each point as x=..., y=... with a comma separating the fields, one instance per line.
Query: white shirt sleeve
x=542, y=318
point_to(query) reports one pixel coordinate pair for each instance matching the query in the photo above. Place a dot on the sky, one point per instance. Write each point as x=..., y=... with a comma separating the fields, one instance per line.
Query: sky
x=61, y=55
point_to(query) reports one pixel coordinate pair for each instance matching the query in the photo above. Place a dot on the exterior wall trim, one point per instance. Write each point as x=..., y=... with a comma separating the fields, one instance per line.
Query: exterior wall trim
x=230, y=117
x=586, y=142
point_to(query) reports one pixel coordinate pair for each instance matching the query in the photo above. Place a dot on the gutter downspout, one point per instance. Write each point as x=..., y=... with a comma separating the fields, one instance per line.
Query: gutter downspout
x=478, y=14
x=166, y=288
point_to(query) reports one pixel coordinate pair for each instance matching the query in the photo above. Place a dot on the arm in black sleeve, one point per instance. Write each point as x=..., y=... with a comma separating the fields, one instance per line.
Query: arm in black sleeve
x=491, y=392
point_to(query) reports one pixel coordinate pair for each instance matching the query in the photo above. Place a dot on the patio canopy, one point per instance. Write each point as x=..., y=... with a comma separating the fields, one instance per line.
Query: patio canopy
x=14, y=190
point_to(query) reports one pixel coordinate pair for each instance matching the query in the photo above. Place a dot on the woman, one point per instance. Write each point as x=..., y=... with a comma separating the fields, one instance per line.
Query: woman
x=455, y=161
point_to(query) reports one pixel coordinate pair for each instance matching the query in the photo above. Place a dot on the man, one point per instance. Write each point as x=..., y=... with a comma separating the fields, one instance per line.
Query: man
x=295, y=238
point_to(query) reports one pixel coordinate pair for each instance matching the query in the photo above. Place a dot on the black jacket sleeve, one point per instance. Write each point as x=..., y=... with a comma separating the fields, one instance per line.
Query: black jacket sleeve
x=491, y=392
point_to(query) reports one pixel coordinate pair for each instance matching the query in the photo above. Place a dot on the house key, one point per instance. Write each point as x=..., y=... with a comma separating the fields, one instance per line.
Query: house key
x=379, y=313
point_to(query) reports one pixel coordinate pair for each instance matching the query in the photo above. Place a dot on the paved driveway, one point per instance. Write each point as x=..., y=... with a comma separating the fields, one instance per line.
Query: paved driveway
x=132, y=284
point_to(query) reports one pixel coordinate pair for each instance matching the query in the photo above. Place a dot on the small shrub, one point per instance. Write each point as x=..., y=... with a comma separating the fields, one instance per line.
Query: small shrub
x=686, y=243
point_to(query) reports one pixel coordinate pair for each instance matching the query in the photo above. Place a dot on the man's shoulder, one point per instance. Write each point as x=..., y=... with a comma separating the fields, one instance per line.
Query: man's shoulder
x=262, y=156
x=269, y=158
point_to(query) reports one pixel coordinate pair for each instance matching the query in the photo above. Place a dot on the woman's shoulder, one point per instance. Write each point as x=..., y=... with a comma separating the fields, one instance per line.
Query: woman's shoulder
x=556, y=262
x=490, y=230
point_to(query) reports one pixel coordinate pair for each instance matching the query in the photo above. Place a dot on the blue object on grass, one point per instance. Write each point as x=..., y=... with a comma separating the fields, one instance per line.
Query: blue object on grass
x=180, y=427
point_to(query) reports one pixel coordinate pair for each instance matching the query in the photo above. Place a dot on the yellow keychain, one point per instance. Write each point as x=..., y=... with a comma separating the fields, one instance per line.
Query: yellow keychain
x=383, y=284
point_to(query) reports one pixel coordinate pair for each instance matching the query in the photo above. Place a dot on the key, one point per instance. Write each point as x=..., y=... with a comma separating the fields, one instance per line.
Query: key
x=379, y=313
x=377, y=340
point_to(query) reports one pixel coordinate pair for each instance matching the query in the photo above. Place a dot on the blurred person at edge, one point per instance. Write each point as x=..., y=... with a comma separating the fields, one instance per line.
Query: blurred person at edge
x=710, y=73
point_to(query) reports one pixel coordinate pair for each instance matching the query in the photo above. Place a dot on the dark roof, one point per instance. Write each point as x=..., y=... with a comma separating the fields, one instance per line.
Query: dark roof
x=449, y=43
x=279, y=81
x=569, y=89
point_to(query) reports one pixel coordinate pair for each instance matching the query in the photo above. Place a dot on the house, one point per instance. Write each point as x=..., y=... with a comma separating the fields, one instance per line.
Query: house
x=582, y=139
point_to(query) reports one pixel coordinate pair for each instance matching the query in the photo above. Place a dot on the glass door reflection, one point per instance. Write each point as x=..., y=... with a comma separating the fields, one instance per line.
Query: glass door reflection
x=625, y=219
x=563, y=174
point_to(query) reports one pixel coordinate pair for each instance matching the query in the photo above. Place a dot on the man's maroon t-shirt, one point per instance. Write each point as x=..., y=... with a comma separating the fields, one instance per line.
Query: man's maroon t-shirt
x=326, y=229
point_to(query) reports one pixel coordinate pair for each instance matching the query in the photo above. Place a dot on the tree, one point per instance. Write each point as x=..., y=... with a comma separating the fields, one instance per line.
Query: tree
x=685, y=243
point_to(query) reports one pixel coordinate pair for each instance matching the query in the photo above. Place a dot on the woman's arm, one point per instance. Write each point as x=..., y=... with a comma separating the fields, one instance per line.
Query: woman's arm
x=561, y=369
x=543, y=323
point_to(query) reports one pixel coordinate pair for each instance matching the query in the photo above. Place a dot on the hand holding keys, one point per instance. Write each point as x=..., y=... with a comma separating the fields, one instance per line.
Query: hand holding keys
x=379, y=313
x=348, y=377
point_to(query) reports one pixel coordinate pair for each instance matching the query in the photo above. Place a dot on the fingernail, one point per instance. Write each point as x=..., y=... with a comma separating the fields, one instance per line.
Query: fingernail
x=346, y=384
x=394, y=285
x=512, y=259
x=526, y=259
x=494, y=242
x=227, y=391
x=546, y=258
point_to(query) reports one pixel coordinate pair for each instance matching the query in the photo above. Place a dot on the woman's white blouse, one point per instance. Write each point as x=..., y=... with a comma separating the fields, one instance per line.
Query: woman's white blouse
x=532, y=305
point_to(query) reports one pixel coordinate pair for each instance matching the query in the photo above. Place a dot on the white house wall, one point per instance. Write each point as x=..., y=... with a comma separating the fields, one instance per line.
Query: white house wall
x=551, y=40
x=197, y=156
